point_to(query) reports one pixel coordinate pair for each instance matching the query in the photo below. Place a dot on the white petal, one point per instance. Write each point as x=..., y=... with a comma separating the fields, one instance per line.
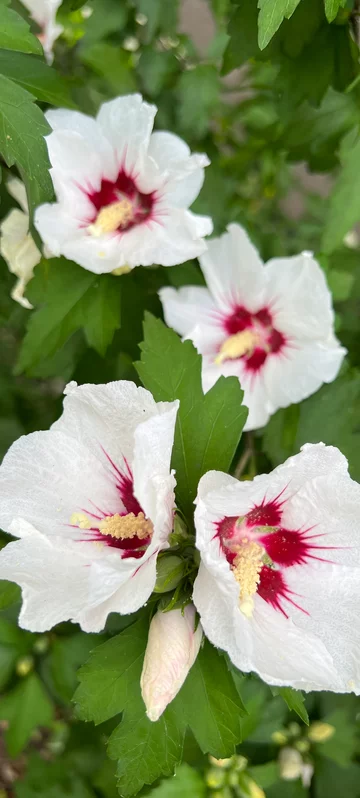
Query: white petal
x=46, y=476
x=300, y=370
x=153, y=483
x=127, y=123
x=106, y=417
x=185, y=172
x=297, y=290
x=79, y=150
x=55, y=227
x=233, y=270
x=64, y=580
x=173, y=236
x=185, y=307
x=268, y=643
x=53, y=578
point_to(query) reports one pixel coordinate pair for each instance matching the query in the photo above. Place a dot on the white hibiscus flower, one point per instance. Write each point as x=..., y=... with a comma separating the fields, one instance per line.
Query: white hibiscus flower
x=123, y=192
x=91, y=501
x=272, y=326
x=43, y=12
x=279, y=581
x=17, y=245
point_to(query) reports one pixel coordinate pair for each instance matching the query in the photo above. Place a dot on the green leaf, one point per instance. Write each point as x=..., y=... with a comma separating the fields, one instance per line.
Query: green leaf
x=332, y=8
x=344, y=209
x=145, y=750
x=109, y=684
x=9, y=594
x=208, y=428
x=101, y=312
x=50, y=779
x=161, y=15
x=15, y=33
x=294, y=700
x=214, y=717
x=243, y=42
x=66, y=656
x=342, y=746
x=25, y=707
x=187, y=783
x=37, y=77
x=74, y=298
x=107, y=18
x=313, y=422
x=22, y=130
x=112, y=63
x=111, y=675
x=333, y=780
x=156, y=69
x=198, y=93
x=271, y=15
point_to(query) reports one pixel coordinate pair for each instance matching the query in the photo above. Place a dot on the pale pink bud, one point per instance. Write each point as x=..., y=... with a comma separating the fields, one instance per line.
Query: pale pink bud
x=172, y=648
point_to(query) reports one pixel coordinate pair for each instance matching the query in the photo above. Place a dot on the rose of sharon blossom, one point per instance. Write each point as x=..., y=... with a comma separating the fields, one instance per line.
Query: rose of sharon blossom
x=17, y=245
x=172, y=647
x=279, y=581
x=91, y=501
x=123, y=192
x=43, y=12
x=272, y=326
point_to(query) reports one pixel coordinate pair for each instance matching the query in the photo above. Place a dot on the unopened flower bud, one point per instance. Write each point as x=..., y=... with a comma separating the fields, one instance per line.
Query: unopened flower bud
x=172, y=648
x=169, y=572
x=320, y=732
x=279, y=737
x=249, y=788
x=290, y=764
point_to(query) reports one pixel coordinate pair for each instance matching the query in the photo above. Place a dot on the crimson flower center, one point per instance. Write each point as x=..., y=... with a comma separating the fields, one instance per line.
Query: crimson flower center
x=251, y=337
x=259, y=548
x=118, y=206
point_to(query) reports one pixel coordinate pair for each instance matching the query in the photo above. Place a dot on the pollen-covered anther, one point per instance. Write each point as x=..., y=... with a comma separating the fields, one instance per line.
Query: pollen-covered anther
x=111, y=217
x=246, y=568
x=126, y=526
x=242, y=343
x=81, y=520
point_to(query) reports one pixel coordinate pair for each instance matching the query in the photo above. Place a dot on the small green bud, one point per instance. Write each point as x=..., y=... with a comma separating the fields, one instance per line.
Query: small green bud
x=319, y=732
x=24, y=666
x=279, y=737
x=180, y=529
x=249, y=788
x=169, y=572
x=41, y=645
x=303, y=746
x=215, y=778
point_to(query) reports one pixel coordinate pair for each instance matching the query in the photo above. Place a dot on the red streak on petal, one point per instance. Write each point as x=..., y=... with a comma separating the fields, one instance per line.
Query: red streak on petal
x=268, y=514
x=273, y=589
x=226, y=527
x=125, y=486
